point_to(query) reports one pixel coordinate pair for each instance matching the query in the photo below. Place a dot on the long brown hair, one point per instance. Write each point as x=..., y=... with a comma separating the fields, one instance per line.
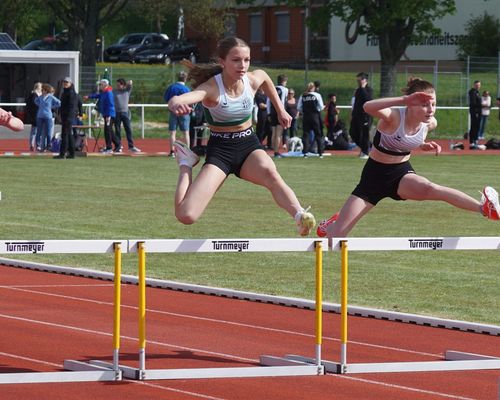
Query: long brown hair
x=200, y=73
x=416, y=84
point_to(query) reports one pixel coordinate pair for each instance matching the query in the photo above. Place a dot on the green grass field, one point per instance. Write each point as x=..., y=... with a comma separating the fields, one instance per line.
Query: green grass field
x=130, y=198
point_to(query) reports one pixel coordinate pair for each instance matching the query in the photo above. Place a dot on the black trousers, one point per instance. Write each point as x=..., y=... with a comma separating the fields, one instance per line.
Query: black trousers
x=312, y=133
x=360, y=133
x=109, y=134
x=67, y=139
x=475, y=120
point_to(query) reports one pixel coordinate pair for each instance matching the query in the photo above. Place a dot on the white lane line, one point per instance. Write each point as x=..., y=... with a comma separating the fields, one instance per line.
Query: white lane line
x=257, y=327
x=134, y=339
x=33, y=360
x=170, y=389
x=394, y=386
x=228, y=356
x=36, y=361
x=51, y=286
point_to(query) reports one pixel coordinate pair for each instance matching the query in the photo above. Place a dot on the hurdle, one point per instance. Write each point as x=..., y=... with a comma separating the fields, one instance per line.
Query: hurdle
x=270, y=366
x=453, y=360
x=74, y=371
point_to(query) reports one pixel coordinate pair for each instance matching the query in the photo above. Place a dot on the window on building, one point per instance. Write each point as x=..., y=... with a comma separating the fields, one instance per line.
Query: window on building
x=256, y=28
x=282, y=27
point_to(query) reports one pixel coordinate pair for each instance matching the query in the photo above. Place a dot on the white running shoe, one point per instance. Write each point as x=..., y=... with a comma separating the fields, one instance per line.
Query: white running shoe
x=184, y=155
x=305, y=222
x=489, y=203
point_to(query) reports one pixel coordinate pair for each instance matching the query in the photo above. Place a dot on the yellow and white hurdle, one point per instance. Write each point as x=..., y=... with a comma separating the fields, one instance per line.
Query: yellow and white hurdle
x=270, y=365
x=454, y=360
x=76, y=371
x=290, y=365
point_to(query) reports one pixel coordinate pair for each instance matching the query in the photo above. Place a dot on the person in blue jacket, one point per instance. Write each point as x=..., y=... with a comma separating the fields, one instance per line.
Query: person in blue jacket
x=44, y=118
x=181, y=121
x=106, y=107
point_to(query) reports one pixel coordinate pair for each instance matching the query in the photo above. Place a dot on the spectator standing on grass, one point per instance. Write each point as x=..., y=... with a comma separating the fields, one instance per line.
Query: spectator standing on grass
x=226, y=90
x=485, y=113
x=404, y=123
x=475, y=108
x=262, y=128
x=182, y=121
x=106, y=107
x=31, y=112
x=276, y=127
x=44, y=118
x=360, y=120
x=310, y=106
x=68, y=112
x=122, y=97
x=291, y=108
x=332, y=113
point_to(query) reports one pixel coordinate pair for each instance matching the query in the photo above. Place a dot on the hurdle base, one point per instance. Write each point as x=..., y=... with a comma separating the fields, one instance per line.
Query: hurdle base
x=454, y=361
x=270, y=367
x=76, y=371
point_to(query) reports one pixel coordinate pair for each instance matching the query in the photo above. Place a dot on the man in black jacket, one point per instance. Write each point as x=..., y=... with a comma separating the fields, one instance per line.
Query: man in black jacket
x=475, y=114
x=69, y=110
x=360, y=120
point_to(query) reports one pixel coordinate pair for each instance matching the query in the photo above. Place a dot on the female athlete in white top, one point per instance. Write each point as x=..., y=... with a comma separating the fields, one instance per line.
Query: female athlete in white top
x=388, y=172
x=233, y=147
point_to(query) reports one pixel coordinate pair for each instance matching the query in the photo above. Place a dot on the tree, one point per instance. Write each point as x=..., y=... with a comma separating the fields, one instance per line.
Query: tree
x=396, y=23
x=482, y=37
x=84, y=20
x=18, y=18
x=207, y=17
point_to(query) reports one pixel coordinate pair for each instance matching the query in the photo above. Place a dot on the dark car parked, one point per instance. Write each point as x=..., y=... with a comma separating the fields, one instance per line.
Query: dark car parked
x=173, y=50
x=129, y=44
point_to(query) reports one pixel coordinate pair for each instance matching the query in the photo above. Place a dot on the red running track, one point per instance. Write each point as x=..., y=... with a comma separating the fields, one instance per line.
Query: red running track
x=162, y=147
x=47, y=318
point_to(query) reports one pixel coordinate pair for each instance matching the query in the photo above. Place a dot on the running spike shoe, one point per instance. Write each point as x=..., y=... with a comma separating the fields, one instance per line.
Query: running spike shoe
x=489, y=203
x=184, y=155
x=321, y=231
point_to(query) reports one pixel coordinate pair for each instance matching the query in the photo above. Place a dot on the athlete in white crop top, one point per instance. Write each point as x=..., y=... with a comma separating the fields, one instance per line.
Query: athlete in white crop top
x=231, y=111
x=388, y=172
x=399, y=142
x=233, y=147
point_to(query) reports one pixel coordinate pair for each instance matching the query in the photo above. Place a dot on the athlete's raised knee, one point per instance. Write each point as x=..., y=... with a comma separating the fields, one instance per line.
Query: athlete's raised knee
x=186, y=217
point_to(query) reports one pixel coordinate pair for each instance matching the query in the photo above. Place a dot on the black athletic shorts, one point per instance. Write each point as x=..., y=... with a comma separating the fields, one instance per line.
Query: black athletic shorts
x=379, y=180
x=273, y=119
x=229, y=150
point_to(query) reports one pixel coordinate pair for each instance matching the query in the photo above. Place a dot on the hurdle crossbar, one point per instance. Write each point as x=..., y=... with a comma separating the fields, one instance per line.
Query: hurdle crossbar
x=75, y=371
x=269, y=365
x=454, y=360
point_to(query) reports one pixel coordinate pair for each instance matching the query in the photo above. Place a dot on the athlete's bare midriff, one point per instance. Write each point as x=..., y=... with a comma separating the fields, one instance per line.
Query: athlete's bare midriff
x=387, y=158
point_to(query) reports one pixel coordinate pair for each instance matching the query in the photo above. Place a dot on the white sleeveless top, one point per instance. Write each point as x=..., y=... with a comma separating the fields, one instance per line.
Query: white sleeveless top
x=399, y=143
x=231, y=110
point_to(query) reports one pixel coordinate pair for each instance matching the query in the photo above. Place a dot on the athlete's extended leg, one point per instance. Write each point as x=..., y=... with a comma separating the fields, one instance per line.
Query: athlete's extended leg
x=352, y=211
x=258, y=168
x=193, y=196
x=415, y=187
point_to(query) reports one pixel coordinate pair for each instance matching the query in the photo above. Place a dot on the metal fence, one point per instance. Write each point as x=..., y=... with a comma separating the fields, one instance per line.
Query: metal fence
x=451, y=80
